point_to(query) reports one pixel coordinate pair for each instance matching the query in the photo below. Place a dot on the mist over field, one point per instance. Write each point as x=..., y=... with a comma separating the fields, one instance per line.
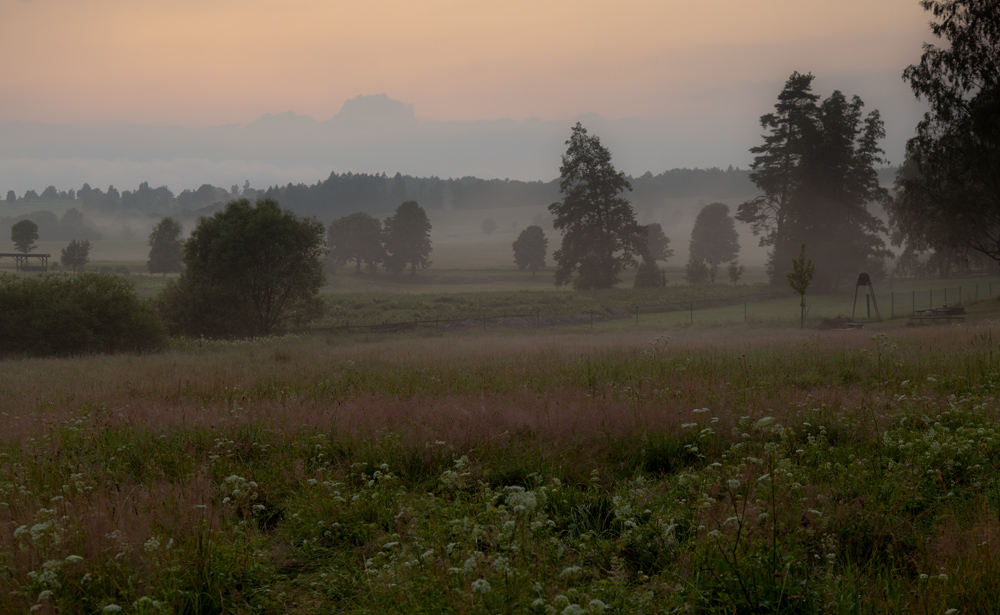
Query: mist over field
x=374, y=134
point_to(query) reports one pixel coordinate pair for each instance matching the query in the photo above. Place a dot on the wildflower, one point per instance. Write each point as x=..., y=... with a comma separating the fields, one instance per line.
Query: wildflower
x=111, y=608
x=596, y=605
x=573, y=609
x=480, y=586
x=571, y=571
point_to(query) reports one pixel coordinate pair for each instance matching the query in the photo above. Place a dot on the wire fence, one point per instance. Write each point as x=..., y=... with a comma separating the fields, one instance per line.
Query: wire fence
x=860, y=304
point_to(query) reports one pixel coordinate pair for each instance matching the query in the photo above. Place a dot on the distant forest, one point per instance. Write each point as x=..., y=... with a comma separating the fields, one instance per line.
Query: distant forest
x=341, y=194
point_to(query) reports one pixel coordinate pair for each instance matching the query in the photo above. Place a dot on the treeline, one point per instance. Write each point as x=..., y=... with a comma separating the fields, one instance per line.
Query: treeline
x=341, y=194
x=71, y=225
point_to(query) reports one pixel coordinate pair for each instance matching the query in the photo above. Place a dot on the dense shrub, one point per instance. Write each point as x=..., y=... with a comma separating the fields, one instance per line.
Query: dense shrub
x=249, y=270
x=60, y=314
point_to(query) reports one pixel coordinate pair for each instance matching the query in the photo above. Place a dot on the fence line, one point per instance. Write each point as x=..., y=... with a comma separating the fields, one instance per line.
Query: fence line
x=919, y=300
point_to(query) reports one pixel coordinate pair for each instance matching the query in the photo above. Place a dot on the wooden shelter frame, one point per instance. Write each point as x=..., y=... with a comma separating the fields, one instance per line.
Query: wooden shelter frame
x=21, y=260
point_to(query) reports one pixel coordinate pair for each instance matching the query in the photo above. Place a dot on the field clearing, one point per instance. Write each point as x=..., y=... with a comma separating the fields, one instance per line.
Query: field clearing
x=729, y=468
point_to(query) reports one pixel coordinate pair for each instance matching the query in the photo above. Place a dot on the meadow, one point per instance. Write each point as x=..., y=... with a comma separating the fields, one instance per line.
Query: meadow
x=732, y=468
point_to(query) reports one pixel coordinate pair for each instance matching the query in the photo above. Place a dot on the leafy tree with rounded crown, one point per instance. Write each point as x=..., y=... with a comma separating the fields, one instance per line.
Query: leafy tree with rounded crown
x=714, y=238
x=24, y=234
x=600, y=234
x=356, y=237
x=950, y=198
x=11, y=196
x=407, y=239
x=530, y=248
x=489, y=226
x=166, y=250
x=76, y=254
x=249, y=270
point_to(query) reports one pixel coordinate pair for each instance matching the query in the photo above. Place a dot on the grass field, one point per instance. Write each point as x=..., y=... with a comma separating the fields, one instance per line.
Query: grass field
x=728, y=468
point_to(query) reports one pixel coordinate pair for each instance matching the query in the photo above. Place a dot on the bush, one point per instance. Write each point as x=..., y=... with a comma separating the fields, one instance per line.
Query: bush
x=649, y=275
x=250, y=270
x=59, y=314
x=696, y=271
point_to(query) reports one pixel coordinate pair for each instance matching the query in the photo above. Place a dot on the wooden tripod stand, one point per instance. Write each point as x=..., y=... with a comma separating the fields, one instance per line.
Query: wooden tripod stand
x=865, y=280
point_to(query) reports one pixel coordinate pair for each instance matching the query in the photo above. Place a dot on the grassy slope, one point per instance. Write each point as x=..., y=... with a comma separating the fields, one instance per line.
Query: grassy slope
x=724, y=469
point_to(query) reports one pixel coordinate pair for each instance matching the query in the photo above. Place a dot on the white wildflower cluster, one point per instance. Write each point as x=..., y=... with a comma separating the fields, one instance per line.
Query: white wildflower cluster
x=458, y=475
x=240, y=495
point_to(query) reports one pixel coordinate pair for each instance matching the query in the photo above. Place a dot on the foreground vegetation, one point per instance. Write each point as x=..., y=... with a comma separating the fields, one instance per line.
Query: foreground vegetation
x=731, y=470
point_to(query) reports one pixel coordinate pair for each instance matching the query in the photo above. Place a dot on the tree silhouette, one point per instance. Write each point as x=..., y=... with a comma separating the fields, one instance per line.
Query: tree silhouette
x=407, y=239
x=600, y=234
x=165, y=247
x=357, y=237
x=530, y=248
x=714, y=238
x=24, y=234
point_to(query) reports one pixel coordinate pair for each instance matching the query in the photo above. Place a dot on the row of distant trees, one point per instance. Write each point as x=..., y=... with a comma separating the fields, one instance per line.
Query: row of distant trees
x=402, y=241
x=342, y=193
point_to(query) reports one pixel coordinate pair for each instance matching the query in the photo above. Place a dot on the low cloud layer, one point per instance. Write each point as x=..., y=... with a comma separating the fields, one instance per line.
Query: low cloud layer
x=370, y=134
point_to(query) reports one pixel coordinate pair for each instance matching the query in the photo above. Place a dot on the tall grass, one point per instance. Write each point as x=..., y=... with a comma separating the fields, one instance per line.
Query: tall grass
x=724, y=470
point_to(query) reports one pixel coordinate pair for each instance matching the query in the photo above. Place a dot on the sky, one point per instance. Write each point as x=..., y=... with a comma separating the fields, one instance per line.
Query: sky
x=185, y=92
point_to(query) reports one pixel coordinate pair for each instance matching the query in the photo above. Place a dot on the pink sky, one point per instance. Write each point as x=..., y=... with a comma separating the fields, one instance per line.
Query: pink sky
x=203, y=62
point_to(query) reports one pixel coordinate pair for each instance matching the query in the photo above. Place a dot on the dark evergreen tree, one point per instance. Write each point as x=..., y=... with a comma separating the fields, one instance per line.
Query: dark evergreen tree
x=821, y=176
x=776, y=161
